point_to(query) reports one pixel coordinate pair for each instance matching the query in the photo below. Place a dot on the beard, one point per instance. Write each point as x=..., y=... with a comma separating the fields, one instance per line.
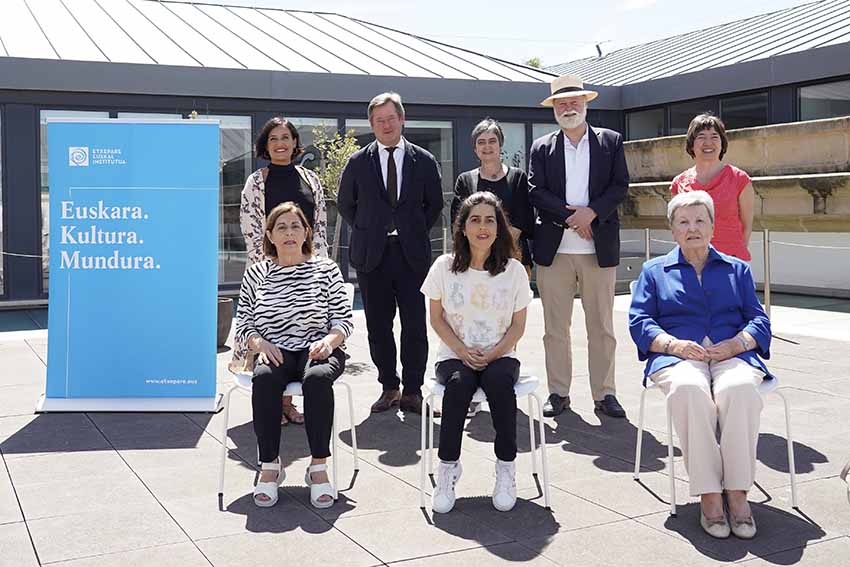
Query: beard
x=570, y=121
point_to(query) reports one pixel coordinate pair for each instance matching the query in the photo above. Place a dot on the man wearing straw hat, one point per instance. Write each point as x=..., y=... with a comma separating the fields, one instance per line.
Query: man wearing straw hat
x=577, y=177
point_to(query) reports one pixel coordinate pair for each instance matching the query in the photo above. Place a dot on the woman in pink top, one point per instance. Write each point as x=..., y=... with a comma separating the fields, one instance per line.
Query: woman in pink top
x=729, y=187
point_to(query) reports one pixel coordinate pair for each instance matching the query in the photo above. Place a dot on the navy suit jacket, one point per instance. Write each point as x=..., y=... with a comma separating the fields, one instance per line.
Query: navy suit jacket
x=608, y=184
x=363, y=203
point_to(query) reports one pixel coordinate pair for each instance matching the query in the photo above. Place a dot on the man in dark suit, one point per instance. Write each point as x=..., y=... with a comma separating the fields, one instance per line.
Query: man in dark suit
x=390, y=196
x=577, y=178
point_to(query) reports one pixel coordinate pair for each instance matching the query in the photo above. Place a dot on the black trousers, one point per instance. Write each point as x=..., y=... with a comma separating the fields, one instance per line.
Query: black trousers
x=395, y=284
x=317, y=377
x=461, y=381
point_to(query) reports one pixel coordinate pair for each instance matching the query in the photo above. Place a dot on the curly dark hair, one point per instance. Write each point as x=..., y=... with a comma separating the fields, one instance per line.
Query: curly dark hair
x=503, y=249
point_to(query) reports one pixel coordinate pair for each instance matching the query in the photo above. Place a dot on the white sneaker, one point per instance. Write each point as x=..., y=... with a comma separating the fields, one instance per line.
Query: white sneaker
x=504, y=494
x=443, y=499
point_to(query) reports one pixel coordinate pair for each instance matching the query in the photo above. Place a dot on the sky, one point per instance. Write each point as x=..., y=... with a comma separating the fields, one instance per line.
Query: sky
x=555, y=31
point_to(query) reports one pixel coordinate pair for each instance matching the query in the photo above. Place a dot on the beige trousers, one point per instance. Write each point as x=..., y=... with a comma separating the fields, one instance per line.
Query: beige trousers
x=735, y=406
x=557, y=284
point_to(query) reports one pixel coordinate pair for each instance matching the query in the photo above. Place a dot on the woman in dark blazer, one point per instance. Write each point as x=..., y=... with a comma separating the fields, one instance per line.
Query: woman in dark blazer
x=509, y=184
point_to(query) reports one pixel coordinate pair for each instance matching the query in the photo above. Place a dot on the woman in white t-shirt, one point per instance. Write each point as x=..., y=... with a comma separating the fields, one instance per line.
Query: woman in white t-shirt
x=478, y=302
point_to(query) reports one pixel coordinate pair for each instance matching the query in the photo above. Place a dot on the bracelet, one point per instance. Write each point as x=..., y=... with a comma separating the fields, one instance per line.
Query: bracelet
x=743, y=342
x=667, y=345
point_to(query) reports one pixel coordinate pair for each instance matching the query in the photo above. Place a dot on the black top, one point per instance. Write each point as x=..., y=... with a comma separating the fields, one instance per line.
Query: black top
x=512, y=190
x=283, y=184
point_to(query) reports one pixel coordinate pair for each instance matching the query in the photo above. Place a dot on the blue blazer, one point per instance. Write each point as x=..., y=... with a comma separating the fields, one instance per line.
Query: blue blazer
x=363, y=203
x=608, y=185
x=669, y=298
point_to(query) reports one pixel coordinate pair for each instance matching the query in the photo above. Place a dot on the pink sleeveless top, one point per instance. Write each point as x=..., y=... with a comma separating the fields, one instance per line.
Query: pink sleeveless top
x=724, y=189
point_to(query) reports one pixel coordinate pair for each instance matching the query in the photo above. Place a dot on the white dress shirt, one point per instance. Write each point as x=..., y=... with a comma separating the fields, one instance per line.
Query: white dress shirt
x=384, y=158
x=577, y=169
x=398, y=156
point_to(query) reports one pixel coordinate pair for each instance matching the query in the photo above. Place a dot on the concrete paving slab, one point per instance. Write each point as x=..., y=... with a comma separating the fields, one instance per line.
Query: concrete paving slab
x=82, y=495
x=201, y=517
x=15, y=546
x=613, y=544
x=503, y=554
x=174, y=555
x=64, y=467
x=626, y=496
x=10, y=510
x=316, y=544
x=531, y=520
x=413, y=533
x=95, y=533
x=20, y=399
x=833, y=552
x=778, y=530
x=21, y=366
x=49, y=433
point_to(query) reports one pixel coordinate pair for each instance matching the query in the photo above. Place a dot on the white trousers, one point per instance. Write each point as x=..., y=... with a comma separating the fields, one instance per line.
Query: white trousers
x=735, y=406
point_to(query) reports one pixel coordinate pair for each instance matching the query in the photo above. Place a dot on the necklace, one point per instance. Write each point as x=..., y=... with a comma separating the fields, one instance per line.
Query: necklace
x=492, y=176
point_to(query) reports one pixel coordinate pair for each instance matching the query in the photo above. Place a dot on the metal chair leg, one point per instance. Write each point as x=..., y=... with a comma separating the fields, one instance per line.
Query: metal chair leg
x=792, y=468
x=431, y=434
x=335, y=457
x=424, y=448
x=225, y=418
x=351, y=424
x=531, y=442
x=544, y=459
x=670, y=458
x=639, y=443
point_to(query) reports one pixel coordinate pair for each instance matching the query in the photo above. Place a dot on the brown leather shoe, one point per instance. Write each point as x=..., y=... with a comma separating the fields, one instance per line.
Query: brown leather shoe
x=412, y=403
x=388, y=399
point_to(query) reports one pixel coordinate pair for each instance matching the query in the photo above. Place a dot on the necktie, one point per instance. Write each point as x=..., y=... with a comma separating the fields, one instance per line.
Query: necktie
x=392, y=184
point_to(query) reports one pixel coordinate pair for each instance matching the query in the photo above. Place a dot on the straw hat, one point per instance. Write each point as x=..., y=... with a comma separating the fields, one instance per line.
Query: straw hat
x=567, y=86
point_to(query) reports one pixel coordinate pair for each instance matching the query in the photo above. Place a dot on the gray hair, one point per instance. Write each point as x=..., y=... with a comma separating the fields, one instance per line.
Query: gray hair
x=384, y=98
x=488, y=125
x=690, y=199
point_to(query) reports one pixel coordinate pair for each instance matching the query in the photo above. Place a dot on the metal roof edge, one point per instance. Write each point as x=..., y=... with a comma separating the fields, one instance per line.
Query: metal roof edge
x=797, y=67
x=133, y=78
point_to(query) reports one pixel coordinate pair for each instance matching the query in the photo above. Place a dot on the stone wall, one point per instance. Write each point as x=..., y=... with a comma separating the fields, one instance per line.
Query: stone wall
x=801, y=177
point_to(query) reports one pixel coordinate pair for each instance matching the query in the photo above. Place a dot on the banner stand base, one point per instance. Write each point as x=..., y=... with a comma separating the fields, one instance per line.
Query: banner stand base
x=181, y=405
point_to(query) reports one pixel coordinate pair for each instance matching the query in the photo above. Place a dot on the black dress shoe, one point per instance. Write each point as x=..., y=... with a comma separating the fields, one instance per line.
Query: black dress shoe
x=555, y=405
x=388, y=399
x=610, y=406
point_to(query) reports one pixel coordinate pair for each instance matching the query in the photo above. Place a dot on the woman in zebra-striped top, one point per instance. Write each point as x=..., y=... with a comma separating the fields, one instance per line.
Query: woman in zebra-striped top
x=294, y=313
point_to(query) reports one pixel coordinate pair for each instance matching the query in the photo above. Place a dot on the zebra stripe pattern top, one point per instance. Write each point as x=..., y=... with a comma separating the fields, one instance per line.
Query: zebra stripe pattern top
x=293, y=306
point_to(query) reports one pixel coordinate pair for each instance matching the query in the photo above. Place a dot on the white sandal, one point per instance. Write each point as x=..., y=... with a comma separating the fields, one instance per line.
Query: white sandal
x=269, y=489
x=317, y=490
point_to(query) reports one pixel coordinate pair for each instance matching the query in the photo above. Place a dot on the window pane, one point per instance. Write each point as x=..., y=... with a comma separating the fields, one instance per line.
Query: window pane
x=513, y=150
x=745, y=111
x=682, y=113
x=436, y=137
x=150, y=115
x=538, y=130
x=2, y=262
x=825, y=101
x=306, y=127
x=45, y=183
x=235, y=154
x=645, y=124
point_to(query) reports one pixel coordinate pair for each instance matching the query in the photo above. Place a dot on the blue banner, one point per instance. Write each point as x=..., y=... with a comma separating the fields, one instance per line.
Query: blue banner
x=133, y=259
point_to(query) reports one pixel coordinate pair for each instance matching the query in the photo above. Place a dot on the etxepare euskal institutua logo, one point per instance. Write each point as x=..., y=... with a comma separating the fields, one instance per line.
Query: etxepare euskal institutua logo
x=81, y=156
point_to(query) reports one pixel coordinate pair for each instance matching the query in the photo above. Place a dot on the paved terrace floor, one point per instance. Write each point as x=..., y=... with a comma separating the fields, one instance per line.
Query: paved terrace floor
x=99, y=489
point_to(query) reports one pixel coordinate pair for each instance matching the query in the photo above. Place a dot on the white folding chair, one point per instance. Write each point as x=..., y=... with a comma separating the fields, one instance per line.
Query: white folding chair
x=525, y=386
x=244, y=381
x=765, y=388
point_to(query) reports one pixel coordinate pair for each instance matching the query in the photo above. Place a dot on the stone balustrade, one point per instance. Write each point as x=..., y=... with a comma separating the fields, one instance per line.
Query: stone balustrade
x=800, y=171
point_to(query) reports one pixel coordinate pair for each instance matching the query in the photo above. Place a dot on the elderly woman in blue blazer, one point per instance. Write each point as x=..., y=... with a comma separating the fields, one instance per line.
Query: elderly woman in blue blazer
x=696, y=320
